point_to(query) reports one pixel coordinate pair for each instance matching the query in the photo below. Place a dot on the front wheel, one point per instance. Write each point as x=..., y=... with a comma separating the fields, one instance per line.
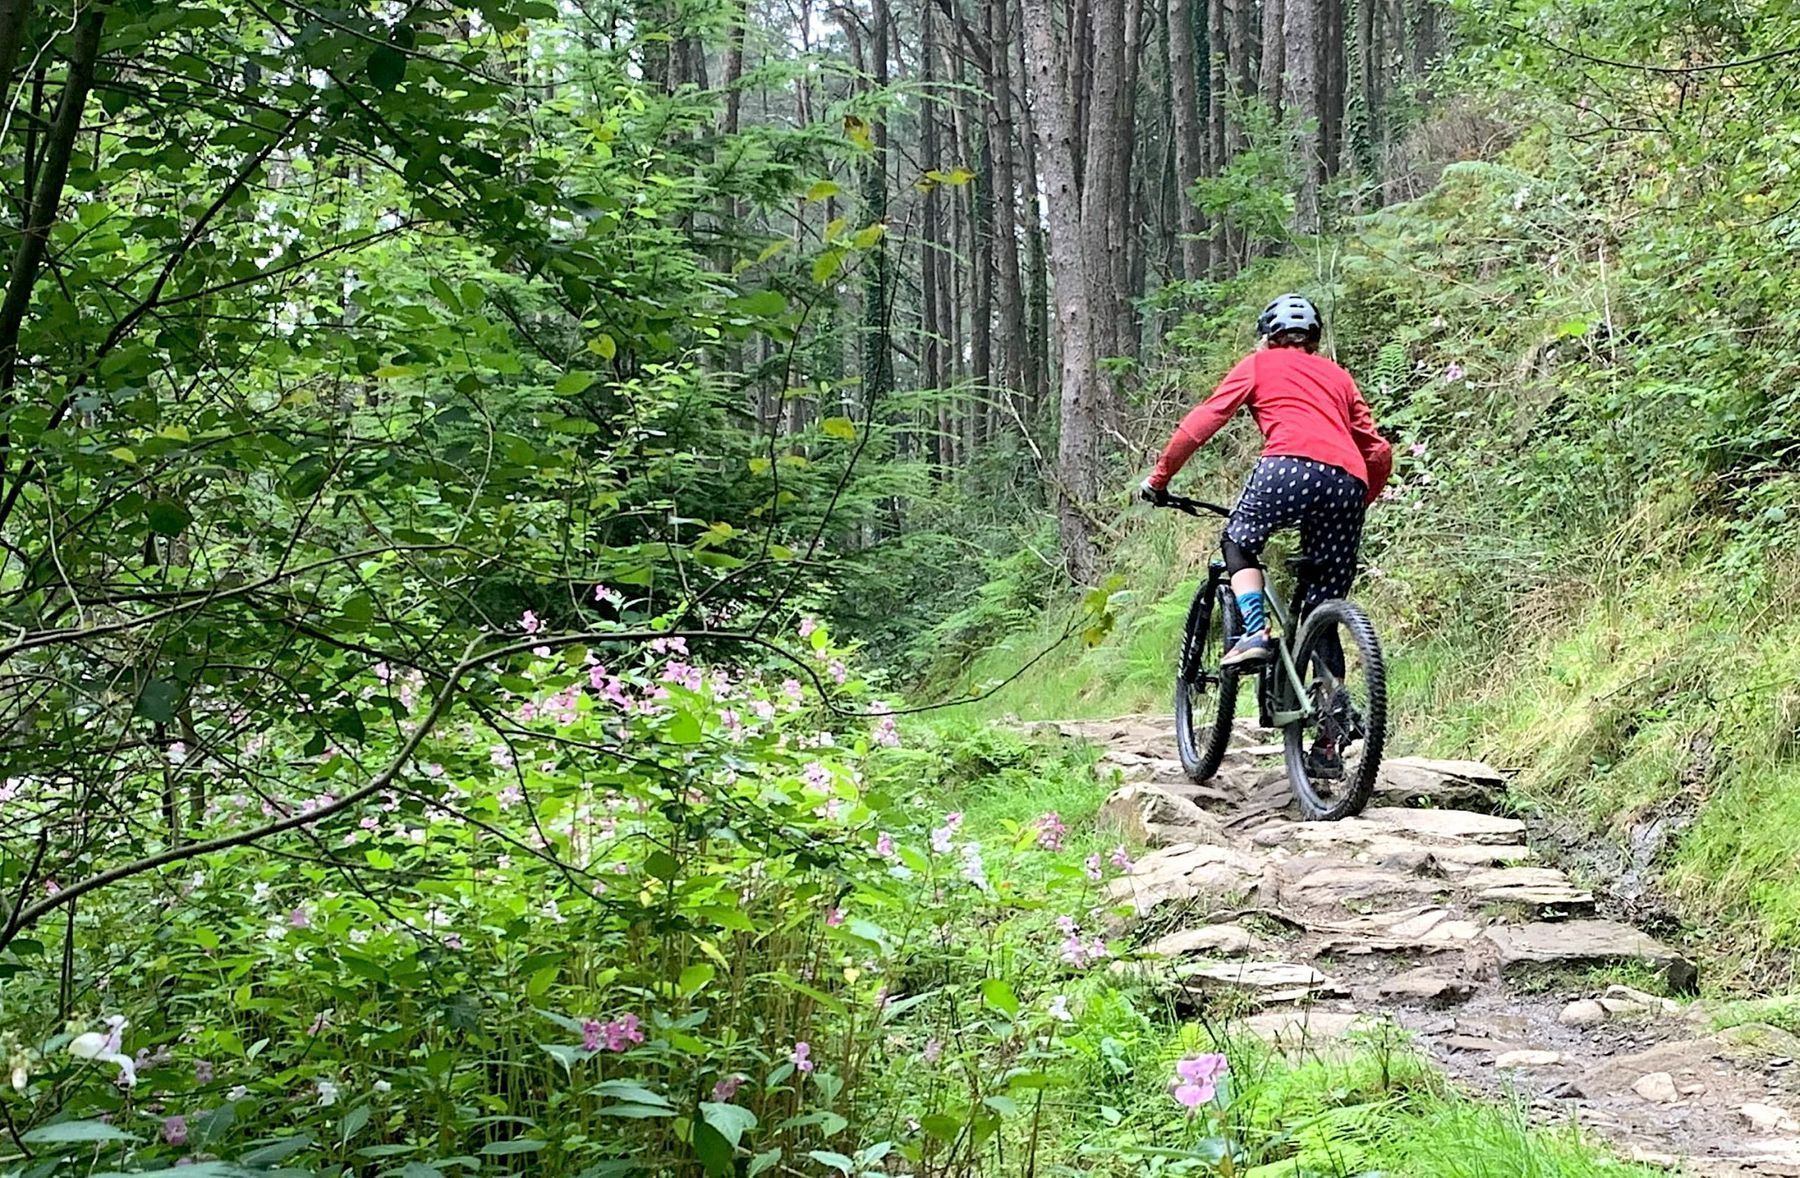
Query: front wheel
x=1334, y=757
x=1205, y=693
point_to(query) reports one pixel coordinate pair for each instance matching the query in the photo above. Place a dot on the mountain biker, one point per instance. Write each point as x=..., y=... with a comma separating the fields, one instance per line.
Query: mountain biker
x=1322, y=464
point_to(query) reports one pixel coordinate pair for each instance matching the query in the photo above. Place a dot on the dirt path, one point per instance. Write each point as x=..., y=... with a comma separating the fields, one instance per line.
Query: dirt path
x=1434, y=912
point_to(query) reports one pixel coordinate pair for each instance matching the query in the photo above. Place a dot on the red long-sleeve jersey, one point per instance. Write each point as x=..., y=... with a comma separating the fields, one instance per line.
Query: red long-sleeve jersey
x=1306, y=407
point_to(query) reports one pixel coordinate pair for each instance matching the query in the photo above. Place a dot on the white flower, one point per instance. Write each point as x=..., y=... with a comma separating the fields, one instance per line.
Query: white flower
x=318, y=79
x=276, y=932
x=383, y=1086
x=106, y=1048
x=550, y=910
x=238, y=1092
x=359, y=936
x=20, y=1078
x=197, y=880
x=260, y=893
x=1059, y=1009
x=328, y=1093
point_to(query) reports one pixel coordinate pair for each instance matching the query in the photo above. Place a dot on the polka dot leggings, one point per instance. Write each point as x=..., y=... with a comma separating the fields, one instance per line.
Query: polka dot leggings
x=1324, y=501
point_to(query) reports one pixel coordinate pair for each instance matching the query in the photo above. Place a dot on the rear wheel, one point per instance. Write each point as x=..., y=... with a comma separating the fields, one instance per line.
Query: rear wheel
x=1205, y=693
x=1333, y=758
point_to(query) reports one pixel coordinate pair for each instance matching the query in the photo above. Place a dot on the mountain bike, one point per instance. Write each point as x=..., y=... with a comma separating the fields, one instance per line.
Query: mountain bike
x=1326, y=688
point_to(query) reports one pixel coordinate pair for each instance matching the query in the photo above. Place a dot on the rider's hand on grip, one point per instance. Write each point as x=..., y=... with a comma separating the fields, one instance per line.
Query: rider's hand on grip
x=1153, y=495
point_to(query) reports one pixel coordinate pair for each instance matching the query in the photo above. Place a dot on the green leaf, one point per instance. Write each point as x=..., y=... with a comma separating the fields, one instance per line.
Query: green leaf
x=495, y=1149
x=156, y=701
x=694, y=979
x=836, y=1161
x=571, y=383
x=276, y=1151
x=637, y=1112
x=839, y=427
x=825, y=267
x=540, y=982
x=74, y=1133
x=661, y=865
x=997, y=994
x=762, y=1161
x=420, y=1170
x=354, y=1120
x=823, y=190
x=603, y=346
x=627, y=1091
x=867, y=236
x=732, y=1121
x=166, y=517
x=387, y=67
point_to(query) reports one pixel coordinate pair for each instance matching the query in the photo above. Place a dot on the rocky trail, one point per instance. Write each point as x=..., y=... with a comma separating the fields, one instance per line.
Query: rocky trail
x=1434, y=912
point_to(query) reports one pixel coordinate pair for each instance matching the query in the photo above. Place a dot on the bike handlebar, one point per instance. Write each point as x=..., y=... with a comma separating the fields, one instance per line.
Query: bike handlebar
x=1193, y=506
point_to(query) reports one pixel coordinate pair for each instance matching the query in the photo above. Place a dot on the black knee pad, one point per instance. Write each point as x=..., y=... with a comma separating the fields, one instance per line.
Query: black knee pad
x=1236, y=558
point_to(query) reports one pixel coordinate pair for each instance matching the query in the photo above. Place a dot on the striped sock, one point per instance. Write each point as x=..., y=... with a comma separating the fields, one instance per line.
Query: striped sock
x=1250, y=606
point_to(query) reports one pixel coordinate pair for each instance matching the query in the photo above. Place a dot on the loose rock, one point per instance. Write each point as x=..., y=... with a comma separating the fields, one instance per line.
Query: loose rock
x=1527, y=1059
x=1658, y=1088
x=1769, y=1118
x=1227, y=940
x=1585, y=1013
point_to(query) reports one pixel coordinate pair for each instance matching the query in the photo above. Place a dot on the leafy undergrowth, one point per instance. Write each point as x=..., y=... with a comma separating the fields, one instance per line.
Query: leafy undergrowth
x=766, y=940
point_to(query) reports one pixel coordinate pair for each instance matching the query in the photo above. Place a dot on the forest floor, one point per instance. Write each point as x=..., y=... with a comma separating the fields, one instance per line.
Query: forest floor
x=1432, y=912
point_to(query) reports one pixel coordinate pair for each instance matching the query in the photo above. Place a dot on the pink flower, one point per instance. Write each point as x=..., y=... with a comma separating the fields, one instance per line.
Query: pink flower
x=611, y=596
x=175, y=1130
x=807, y=626
x=934, y=1048
x=887, y=733
x=940, y=838
x=1197, y=1080
x=530, y=623
x=319, y=1023
x=1121, y=858
x=791, y=689
x=834, y=918
x=542, y=652
x=1453, y=373
x=802, y=1056
x=668, y=646
x=884, y=845
x=1093, y=867
x=817, y=775
x=203, y=1072
x=590, y=1035
x=839, y=672
x=1418, y=449
x=300, y=918
x=727, y=1087
x=621, y=1033
x=1050, y=831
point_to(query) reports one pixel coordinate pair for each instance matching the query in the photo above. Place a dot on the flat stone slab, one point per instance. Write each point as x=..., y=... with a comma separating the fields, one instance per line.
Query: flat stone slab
x=1538, y=887
x=1276, y=976
x=1427, y=986
x=1225, y=940
x=1585, y=942
x=1450, y=824
x=1298, y=1030
x=1311, y=883
x=1428, y=929
x=1183, y=872
x=1527, y=1059
x=1157, y=817
x=1441, y=783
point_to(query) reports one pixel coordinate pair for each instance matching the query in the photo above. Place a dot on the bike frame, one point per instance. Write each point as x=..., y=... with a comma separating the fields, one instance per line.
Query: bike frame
x=1283, y=700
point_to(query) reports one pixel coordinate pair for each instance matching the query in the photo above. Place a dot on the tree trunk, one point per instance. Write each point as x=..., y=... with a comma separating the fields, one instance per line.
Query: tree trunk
x=1274, y=44
x=1183, y=95
x=46, y=197
x=1124, y=242
x=1037, y=283
x=1100, y=218
x=1367, y=54
x=1006, y=213
x=877, y=344
x=1079, y=449
x=1305, y=89
x=1218, y=150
